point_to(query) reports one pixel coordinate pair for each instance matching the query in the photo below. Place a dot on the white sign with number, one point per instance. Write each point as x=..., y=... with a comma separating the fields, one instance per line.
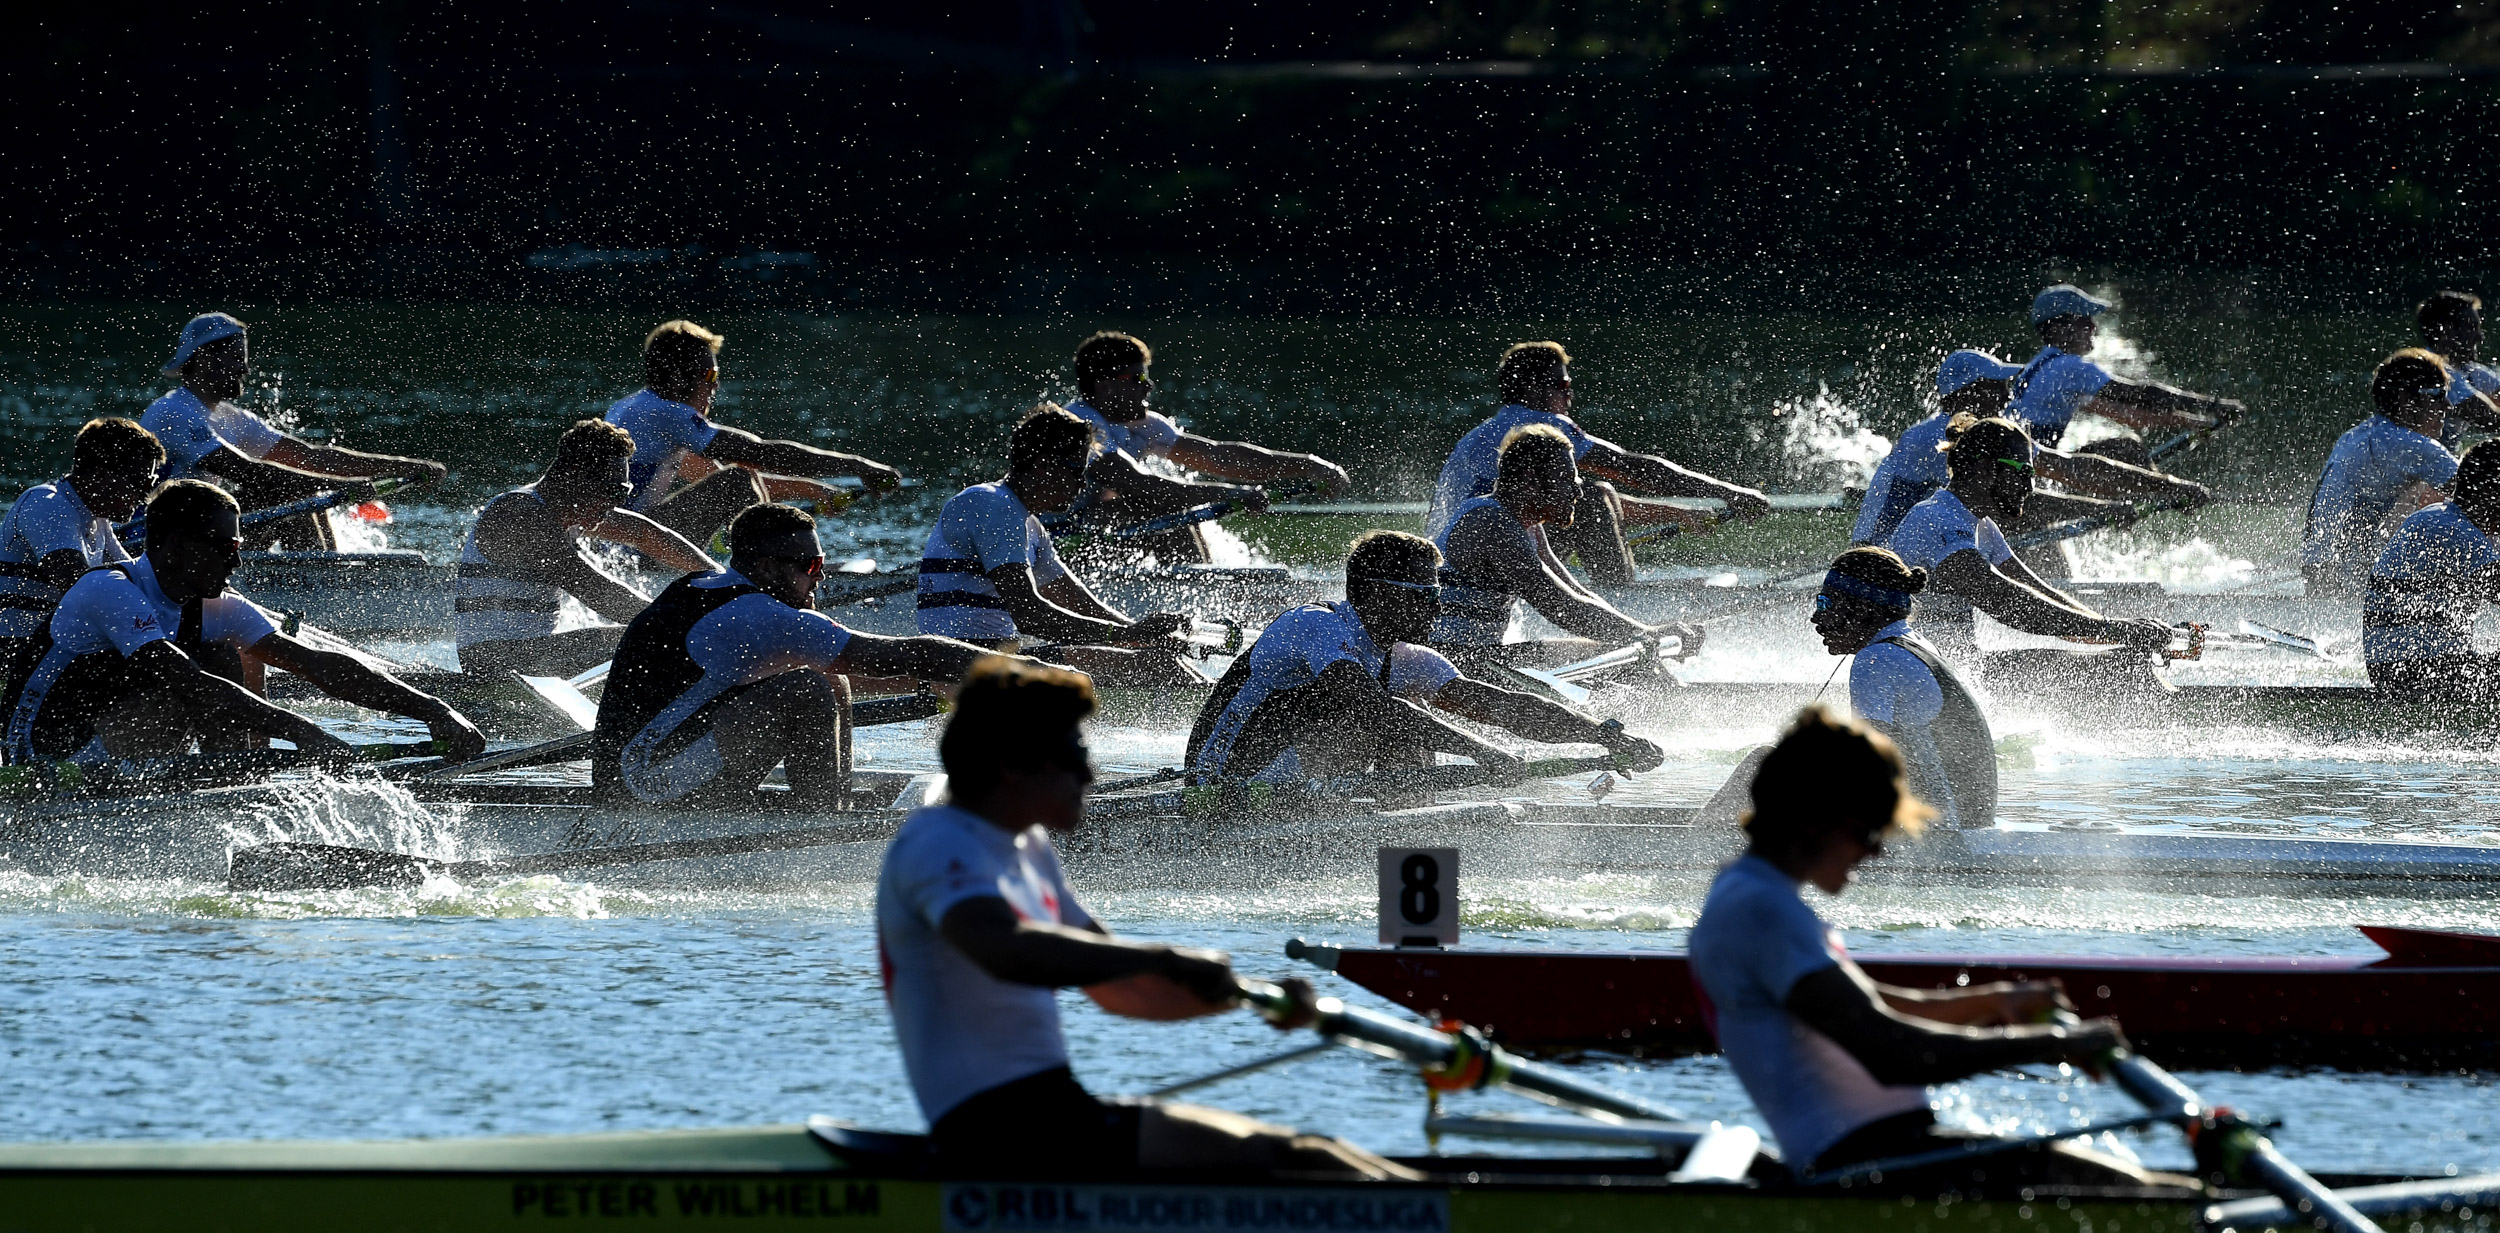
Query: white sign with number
x=1419, y=896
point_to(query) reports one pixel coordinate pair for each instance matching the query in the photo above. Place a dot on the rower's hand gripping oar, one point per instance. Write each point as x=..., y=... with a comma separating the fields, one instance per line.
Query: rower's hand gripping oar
x=1458, y=1060
x=2227, y=1144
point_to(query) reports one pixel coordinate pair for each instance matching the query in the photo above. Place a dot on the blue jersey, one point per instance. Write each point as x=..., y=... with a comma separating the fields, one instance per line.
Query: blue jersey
x=2050, y=390
x=1911, y=473
x=2353, y=510
x=2426, y=588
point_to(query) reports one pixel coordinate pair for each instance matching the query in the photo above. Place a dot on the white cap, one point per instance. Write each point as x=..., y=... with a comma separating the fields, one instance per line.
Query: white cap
x=2065, y=300
x=199, y=332
x=1965, y=366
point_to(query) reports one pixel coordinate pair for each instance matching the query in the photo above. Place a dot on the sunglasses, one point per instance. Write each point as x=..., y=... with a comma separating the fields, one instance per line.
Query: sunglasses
x=2017, y=467
x=1420, y=588
x=1138, y=377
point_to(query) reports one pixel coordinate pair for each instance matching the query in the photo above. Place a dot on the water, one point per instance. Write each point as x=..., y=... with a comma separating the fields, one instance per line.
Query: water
x=176, y=1010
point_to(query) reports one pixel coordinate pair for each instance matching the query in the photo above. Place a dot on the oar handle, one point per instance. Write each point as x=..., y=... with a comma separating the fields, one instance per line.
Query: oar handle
x=1451, y=1060
x=2227, y=1143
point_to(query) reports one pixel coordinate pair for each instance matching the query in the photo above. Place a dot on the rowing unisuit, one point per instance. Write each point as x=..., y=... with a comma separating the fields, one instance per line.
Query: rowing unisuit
x=2435, y=576
x=1933, y=530
x=1902, y=688
x=978, y=530
x=1265, y=705
x=705, y=638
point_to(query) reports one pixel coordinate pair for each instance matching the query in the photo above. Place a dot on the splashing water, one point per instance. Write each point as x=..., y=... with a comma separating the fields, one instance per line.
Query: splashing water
x=1827, y=443
x=2126, y=556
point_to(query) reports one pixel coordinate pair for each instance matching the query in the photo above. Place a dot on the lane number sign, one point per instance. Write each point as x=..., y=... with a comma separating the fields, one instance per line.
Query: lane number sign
x=1419, y=896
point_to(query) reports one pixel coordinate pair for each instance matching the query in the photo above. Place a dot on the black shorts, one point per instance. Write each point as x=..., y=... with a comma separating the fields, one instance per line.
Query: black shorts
x=1044, y=1125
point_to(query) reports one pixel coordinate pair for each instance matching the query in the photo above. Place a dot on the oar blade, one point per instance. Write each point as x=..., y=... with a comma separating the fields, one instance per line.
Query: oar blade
x=323, y=866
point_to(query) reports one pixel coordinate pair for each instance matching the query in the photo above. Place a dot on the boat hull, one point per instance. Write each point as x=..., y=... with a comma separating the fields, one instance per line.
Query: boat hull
x=2347, y=1013
x=784, y=1176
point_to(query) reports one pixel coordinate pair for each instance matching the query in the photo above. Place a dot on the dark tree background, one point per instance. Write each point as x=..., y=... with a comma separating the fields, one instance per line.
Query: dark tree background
x=1367, y=155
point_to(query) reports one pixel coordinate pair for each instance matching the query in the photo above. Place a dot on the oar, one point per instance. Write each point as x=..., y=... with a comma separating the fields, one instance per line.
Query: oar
x=2191, y=438
x=2224, y=1138
x=321, y=866
x=1452, y=1060
x=1245, y=1068
x=1067, y=526
x=2072, y=527
x=1202, y=799
x=314, y=504
x=869, y=713
x=64, y=776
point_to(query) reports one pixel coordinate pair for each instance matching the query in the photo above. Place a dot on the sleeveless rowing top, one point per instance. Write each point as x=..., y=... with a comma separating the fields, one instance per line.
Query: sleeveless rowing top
x=1962, y=739
x=490, y=603
x=1475, y=610
x=651, y=670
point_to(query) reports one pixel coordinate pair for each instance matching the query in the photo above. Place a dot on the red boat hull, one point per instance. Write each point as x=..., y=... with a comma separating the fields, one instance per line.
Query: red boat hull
x=2433, y=1005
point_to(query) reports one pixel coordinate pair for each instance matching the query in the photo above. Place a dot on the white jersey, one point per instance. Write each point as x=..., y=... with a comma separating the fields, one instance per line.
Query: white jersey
x=191, y=431
x=50, y=518
x=746, y=640
x=1151, y=436
x=2354, y=510
x=116, y=612
x=978, y=530
x=493, y=603
x=1755, y=940
x=1476, y=461
x=664, y=432
x=962, y=1030
x=1937, y=528
x=1291, y=653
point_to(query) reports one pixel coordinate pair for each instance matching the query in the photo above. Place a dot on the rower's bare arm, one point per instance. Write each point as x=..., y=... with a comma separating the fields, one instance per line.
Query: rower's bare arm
x=1361, y=694
x=624, y=526
x=2004, y=1003
x=518, y=537
x=1903, y=1050
x=2418, y=496
x=352, y=681
x=1257, y=464
x=1658, y=477
x=1141, y=493
x=1563, y=601
x=2043, y=508
x=1056, y=956
x=331, y=460
x=1083, y=620
x=2002, y=593
x=2151, y=405
x=1640, y=513
x=923, y=657
x=1541, y=719
x=202, y=691
x=2096, y=476
x=776, y=457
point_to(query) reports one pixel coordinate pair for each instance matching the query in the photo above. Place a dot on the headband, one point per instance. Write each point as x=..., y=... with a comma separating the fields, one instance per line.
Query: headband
x=1885, y=598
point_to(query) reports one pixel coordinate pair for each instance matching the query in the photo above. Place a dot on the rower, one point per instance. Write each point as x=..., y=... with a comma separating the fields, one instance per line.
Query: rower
x=729, y=674
x=976, y=930
x=1497, y=554
x=1112, y=392
x=990, y=576
x=2452, y=328
x=729, y=469
x=1335, y=687
x=1835, y=1062
x=1954, y=536
x=205, y=433
x=1535, y=383
x=60, y=530
x=526, y=553
x=1900, y=686
x=150, y=654
x=1979, y=384
x=2382, y=469
x=2428, y=586
x=2059, y=383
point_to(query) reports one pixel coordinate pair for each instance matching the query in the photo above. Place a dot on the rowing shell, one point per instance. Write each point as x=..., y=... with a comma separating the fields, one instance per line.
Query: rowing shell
x=2431, y=1002
x=828, y=1174
x=1151, y=840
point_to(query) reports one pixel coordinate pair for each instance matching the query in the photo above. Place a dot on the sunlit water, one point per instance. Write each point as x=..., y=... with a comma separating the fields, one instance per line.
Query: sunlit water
x=545, y=1004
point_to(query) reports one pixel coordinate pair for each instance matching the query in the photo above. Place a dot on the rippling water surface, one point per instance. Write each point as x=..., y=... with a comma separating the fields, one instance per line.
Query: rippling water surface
x=169, y=1010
